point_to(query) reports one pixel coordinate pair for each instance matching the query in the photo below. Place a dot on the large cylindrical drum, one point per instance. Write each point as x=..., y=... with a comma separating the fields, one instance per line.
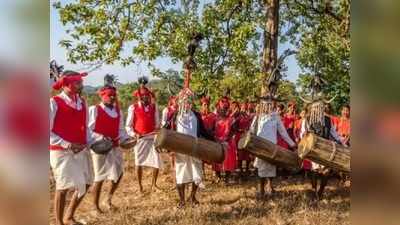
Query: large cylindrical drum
x=324, y=152
x=185, y=144
x=270, y=152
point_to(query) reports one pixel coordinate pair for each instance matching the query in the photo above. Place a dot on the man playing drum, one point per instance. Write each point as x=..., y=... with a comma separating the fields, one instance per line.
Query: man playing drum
x=268, y=125
x=69, y=157
x=142, y=122
x=106, y=122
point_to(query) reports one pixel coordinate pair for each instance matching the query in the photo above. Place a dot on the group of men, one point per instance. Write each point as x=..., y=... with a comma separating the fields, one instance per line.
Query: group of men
x=74, y=127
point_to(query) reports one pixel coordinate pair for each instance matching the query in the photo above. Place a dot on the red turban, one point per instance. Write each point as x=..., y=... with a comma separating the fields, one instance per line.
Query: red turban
x=67, y=80
x=106, y=92
x=143, y=91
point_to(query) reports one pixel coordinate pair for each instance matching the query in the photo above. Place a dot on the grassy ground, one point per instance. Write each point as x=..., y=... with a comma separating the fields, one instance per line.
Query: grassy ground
x=220, y=204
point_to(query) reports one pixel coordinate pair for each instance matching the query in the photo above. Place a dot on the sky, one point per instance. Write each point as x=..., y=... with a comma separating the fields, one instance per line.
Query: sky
x=132, y=72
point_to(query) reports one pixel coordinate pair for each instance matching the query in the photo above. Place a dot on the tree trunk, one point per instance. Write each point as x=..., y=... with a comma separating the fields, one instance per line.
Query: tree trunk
x=270, y=51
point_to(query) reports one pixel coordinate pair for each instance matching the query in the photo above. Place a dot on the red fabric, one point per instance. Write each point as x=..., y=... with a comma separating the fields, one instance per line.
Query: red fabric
x=244, y=123
x=69, y=123
x=144, y=122
x=68, y=80
x=106, y=125
x=343, y=127
x=306, y=164
x=106, y=92
x=143, y=91
x=297, y=129
x=208, y=120
x=222, y=134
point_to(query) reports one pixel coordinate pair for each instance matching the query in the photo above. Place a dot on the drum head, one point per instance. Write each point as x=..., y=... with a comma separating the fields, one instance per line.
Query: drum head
x=128, y=143
x=102, y=146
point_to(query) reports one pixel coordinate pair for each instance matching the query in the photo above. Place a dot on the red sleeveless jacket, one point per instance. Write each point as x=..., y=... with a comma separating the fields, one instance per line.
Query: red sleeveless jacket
x=106, y=125
x=144, y=122
x=69, y=123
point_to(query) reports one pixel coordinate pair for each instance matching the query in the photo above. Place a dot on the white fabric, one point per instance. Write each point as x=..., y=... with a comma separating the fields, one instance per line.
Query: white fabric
x=129, y=119
x=268, y=126
x=146, y=154
x=108, y=166
x=71, y=170
x=187, y=168
x=164, y=116
x=113, y=114
x=54, y=138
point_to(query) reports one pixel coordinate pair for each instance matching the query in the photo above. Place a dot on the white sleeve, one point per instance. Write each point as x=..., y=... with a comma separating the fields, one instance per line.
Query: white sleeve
x=54, y=138
x=282, y=131
x=164, y=117
x=253, y=125
x=122, y=135
x=92, y=124
x=303, y=129
x=129, y=121
x=157, y=117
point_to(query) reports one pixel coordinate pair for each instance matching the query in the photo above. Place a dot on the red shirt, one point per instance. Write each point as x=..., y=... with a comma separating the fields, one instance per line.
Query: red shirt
x=208, y=120
x=223, y=128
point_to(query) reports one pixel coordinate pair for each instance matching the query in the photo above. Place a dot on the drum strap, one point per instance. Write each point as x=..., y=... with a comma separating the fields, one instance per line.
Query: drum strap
x=334, y=151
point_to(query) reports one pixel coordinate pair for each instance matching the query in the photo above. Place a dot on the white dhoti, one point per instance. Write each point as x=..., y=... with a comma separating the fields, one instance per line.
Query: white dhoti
x=265, y=169
x=71, y=170
x=146, y=154
x=188, y=169
x=108, y=166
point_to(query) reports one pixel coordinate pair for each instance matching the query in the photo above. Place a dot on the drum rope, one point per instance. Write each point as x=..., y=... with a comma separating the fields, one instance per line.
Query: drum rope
x=334, y=151
x=275, y=152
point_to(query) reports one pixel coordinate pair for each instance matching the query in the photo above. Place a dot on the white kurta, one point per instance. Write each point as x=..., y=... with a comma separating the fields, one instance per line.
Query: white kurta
x=109, y=166
x=144, y=150
x=268, y=127
x=70, y=170
x=187, y=168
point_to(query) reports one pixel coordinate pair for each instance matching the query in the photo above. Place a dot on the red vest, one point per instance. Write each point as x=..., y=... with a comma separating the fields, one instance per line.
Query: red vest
x=144, y=122
x=106, y=125
x=208, y=120
x=69, y=123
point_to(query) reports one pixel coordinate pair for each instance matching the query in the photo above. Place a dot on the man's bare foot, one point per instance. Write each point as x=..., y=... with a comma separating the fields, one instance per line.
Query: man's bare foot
x=72, y=222
x=181, y=205
x=194, y=202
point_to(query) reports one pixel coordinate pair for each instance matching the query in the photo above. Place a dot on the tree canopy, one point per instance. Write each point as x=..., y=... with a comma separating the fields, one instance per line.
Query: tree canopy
x=124, y=32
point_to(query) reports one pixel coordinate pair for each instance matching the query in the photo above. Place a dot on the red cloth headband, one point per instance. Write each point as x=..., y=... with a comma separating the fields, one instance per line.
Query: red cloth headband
x=143, y=91
x=67, y=80
x=107, y=91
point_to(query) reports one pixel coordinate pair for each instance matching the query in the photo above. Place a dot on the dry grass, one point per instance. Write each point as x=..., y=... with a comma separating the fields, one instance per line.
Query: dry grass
x=232, y=205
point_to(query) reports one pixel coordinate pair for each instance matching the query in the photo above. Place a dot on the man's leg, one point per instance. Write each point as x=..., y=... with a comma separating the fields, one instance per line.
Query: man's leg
x=154, y=180
x=270, y=186
x=261, y=190
x=193, y=195
x=73, y=205
x=139, y=172
x=114, y=186
x=324, y=182
x=59, y=204
x=96, y=195
x=181, y=192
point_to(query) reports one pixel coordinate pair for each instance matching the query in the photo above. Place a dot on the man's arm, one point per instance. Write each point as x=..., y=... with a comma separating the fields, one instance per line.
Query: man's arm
x=129, y=122
x=92, y=124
